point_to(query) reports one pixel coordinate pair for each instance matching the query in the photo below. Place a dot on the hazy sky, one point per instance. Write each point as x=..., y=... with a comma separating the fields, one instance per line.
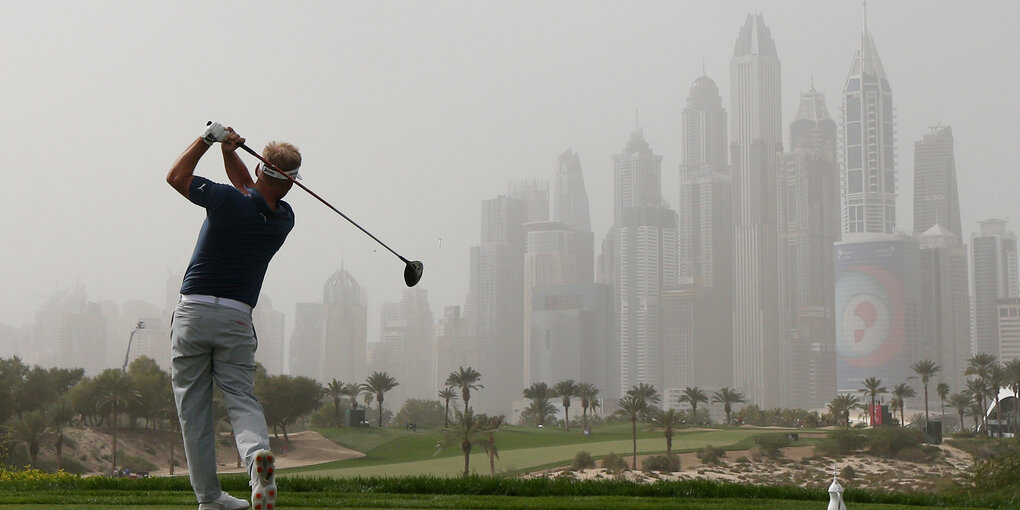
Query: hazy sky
x=410, y=113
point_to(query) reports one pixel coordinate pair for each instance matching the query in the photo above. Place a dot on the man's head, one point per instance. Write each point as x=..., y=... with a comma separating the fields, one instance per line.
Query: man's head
x=284, y=156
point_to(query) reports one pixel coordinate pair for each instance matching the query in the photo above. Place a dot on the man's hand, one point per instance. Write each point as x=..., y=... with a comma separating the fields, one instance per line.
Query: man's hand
x=214, y=132
x=232, y=141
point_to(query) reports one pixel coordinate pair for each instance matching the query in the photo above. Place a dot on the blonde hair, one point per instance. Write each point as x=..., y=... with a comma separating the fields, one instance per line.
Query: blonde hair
x=284, y=155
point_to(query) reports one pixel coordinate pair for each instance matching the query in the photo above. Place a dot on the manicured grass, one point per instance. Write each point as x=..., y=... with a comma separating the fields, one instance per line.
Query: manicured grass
x=522, y=448
x=66, y=491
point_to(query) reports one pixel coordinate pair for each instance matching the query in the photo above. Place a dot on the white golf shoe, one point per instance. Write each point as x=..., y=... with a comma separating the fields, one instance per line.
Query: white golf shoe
x=263, y=481
x=225, y=502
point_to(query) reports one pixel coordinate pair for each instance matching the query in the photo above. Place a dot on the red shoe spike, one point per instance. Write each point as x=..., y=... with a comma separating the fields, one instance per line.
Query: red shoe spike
x=260, y=469
x=270, y=459
x=259, y=458
x=258, y=495
x=270, y=470
x=272, y=493
x=270, y=506
x=258, y=507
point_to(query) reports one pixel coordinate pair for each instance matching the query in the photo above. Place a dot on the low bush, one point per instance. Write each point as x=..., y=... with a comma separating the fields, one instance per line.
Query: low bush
x=711, y=455
x=842, y=442
x=770, y=445
x=848, y=473
x=997, y=476
x=669, y=463
x=582, y=460
x=888, y=442
x=614, y=463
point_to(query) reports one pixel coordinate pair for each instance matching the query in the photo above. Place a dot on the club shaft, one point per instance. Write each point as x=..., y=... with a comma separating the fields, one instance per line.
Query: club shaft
x=312, y=193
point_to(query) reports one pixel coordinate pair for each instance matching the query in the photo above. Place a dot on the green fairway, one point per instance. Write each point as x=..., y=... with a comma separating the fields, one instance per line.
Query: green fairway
x=398, y=453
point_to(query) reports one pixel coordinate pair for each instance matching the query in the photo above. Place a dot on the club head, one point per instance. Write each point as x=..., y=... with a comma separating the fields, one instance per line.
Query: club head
x=412, y=273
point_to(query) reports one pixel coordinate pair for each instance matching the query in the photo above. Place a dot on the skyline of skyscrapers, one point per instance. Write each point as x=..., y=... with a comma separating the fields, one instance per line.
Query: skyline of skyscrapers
x=781, y=273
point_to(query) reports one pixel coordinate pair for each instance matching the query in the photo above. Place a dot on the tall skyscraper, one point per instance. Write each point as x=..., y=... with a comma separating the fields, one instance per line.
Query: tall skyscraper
x=877, y=273
x=646, y=261
x=945, y=304
x=534, y=192
x=993, y=252
x=409, y=326
x=704, y=211
x=869, y=173
x=269, y=325
x=756, y=145
x=454, y=347
x=306, y=341
x=495, y=305
x=570, y=200
x=810, y=215
x=1009, y=329
x=698, y=313
x=345, y=329
x=936, y=199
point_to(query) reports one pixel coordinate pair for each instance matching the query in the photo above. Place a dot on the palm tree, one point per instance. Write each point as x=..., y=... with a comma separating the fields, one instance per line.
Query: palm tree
x=727, y=398
x=978, y=389
x=379, y=383
x=489, y=425
x=352, y=391
x=996, y=380
x=1012, y=369
x=29, y=429
x=902, y=392
x=539, y=394
x=367, y=397
x=447, y=394
x=693, y=396
x=335, y=390
x=668, y=420
x=633, y=407
x=842, y=404
x=466, y=379
x=977, y=412
x=647, y=392
x=115, y=392
x=925, y=369
x=961, y=401
x=566, y=390
x=60, y=415
x=980, y=366
x=588, y=394
x=873, y=388
x=942, y=389
x=467, y=428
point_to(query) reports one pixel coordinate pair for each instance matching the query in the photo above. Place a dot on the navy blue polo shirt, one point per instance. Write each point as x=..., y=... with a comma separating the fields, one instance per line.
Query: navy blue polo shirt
x=238, y=239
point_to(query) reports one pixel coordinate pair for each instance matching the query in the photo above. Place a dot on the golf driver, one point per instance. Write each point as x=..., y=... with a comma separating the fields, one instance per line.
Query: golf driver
x=412, y=269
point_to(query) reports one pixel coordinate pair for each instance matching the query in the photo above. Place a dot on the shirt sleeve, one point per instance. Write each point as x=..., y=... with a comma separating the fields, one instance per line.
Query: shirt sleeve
x=208, y=194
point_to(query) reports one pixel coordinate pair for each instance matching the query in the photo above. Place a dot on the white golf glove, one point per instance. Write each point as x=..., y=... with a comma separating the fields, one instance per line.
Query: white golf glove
x=214, y=132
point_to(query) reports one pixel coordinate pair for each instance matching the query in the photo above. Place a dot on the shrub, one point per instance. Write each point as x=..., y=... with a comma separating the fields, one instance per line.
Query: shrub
x=890, y=441
x=711, y=455
x=997, y=475
x=582, y=460
x=842, y=442
x=848, y=473
x=614, y=463
x=669, y=463
x=771, y=445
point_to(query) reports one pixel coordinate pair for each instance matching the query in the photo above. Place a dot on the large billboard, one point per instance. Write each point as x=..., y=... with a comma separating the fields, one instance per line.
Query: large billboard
x=876, y=310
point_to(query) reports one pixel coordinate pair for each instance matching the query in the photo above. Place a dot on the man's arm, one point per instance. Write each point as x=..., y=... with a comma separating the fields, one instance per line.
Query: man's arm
x=236, y=171
x=184, y=168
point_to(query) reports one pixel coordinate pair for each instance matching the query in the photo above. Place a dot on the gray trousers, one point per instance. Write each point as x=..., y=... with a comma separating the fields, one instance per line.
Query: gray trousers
x=213, y=343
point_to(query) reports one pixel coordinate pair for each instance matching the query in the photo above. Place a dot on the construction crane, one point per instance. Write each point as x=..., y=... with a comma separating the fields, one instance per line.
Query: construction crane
x=138, y=327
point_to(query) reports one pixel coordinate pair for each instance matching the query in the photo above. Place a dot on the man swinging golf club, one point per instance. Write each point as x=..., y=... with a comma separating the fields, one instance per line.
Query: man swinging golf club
x=212, y=336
